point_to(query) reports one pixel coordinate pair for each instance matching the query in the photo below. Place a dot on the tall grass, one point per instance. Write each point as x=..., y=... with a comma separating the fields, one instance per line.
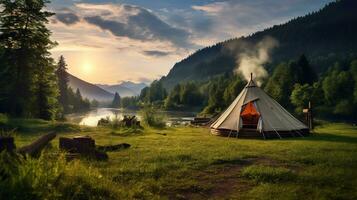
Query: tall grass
x=152, y=118
x=50, y=177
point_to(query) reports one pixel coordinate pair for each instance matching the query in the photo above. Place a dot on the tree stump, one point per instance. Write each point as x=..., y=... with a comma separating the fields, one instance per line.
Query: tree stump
x=82, y=145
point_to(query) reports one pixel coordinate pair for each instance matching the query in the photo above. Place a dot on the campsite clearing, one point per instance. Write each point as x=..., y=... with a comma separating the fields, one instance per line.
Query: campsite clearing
x=190, y=163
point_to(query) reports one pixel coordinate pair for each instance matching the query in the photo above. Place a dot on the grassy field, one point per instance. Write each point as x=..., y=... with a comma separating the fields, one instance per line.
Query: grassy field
x=189, y=163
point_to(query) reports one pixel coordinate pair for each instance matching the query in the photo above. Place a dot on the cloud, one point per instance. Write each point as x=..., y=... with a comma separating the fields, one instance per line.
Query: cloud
x=156, y=53
x=67, y=18
x=129, y=21
x=212, y=8
x=144, y=80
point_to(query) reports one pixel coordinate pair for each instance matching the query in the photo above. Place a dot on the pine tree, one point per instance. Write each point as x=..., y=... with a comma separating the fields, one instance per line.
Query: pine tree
x=46, y=94
x=116, y=101
x=78, y=100
x=63, y=80
x=308, y=76
x=25, y=43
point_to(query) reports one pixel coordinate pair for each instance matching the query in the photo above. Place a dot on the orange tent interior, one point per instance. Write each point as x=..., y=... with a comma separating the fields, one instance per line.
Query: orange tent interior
x=250, y=116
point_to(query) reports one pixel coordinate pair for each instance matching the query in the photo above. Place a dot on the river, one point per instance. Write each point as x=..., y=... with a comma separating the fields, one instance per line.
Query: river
x=91, y=118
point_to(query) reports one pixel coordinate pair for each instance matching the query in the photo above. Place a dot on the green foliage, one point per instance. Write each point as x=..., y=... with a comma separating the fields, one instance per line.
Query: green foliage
x=262, y=173
x=76, y=102
x=63, y=80
x=184, y=95
x=300, y=96
x=130, y=102
x=337, y=85
x=150, y=117
x=303, y=94
x=155, y=93
x=28, y=85
x=50, y=177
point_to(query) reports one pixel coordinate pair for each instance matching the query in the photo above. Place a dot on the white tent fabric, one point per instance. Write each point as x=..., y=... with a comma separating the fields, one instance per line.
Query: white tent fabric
x=273, y=117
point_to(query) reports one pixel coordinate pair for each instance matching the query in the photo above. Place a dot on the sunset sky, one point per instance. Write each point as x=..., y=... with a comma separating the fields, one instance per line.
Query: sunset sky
x=140, y=40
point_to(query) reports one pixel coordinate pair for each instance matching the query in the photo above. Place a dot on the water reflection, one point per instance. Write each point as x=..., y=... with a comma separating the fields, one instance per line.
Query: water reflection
x=91, y=118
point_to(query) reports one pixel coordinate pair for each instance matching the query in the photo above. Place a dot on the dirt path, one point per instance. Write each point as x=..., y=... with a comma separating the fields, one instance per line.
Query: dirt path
x=223, y=179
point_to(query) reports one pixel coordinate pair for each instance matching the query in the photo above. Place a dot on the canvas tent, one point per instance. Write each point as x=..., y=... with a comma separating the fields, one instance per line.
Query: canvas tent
x=255, y=114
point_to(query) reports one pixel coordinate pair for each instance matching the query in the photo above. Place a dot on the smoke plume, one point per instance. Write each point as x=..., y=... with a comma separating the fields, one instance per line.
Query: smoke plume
x=252, y=60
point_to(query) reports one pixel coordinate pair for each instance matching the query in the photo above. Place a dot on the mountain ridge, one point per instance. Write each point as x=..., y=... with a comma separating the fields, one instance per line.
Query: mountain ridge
x=104, y=92
x=89, y=90
x=322, y=34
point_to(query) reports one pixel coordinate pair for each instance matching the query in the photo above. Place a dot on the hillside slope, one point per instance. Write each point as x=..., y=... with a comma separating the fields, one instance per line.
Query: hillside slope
x=89, y=90
x=328, y=34
x=125, y=89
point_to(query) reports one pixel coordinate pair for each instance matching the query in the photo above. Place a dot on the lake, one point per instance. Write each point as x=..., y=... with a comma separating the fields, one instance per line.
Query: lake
x=91, y=118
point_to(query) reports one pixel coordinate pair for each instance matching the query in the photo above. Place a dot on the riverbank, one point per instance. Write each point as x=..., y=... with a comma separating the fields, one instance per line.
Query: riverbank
x=190, y=163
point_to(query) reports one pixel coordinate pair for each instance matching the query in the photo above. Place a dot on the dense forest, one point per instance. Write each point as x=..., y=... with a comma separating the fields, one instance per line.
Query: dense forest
x=31, y=84
x=293, y=84
x=324, y=36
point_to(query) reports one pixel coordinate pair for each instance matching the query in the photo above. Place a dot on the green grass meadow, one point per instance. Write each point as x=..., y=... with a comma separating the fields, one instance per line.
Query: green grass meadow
x=190, y=163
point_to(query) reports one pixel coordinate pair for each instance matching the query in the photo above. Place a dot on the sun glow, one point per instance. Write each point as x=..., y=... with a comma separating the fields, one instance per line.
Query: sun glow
x=87, y=68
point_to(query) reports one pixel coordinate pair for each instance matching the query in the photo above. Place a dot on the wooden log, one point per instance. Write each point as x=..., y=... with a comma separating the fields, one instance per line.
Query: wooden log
x=36, y=147
x=116, y=147
x=7, y=143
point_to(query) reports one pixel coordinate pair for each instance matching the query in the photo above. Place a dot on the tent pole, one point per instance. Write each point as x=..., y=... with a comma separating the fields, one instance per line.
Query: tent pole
x=277, y=133
x=230, y=132
x=299, y=133
x=237, y=129
x=275, y=130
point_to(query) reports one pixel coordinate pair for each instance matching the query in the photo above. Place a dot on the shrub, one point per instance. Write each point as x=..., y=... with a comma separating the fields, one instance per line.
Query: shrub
x=262, y=173
x=152, y=118
x=50, y=177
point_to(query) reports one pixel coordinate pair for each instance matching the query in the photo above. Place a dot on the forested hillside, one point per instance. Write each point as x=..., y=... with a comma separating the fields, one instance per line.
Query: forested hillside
x=325, y=36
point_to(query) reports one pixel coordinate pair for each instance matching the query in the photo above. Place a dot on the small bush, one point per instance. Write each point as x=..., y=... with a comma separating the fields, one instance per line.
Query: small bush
x=262, y=173
x=152, y=118
x=126, y=126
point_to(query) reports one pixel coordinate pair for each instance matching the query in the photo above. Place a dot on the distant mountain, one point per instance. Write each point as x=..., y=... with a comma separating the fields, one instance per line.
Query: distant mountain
x=89, y=90
x=325, y=36
x=126, y=88
x=137, y=87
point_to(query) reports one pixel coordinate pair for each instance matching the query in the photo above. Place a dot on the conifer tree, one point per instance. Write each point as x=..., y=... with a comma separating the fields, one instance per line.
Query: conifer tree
x=116, y=101
x=25, y=43
x=62, y=77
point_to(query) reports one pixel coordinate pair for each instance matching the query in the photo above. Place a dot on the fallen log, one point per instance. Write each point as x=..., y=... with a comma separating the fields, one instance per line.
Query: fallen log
x=36, y=147
x=116, y=147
